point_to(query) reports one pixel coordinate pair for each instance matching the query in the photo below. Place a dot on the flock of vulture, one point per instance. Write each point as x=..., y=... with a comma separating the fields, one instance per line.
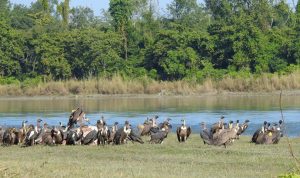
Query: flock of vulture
x=77, y=133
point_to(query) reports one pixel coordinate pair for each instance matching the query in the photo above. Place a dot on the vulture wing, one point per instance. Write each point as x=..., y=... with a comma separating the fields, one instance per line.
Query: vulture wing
x=135, y=137
x=154, y=129
x=188, y=132
x=255, y=135
x=76, y=115
x=90, y=137
x=178, y=133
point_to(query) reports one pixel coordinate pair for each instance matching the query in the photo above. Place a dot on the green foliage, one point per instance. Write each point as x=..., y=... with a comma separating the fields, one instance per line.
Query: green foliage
x=9, y=81
x=64, y=10
x=29, y=82
x=290, y=175
x=81, y=17
x=121, y=11
x=10, y=50
x=190, y=41
x=207, y=71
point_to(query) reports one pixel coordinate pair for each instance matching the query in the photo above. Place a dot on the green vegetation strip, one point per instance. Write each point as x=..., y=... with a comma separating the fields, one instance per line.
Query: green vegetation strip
x=171, y=159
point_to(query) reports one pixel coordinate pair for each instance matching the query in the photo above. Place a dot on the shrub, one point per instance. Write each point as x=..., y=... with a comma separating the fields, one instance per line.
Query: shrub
x=9, y=81
x=30, y=82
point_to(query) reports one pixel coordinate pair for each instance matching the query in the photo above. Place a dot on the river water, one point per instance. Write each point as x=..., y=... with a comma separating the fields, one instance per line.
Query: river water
x=136, y=109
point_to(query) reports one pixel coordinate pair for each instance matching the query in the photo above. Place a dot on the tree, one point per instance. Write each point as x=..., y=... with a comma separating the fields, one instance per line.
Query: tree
x=91, y=52
x=10, y=50
x=220, y=9
x=297, y=39
x=64, y=9
x=81, y=17
x=121, y=11
x=51, y=58
x=20, y=18
x=181, y=8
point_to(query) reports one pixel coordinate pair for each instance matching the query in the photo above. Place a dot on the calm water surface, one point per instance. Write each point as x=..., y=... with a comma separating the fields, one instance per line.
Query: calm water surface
x=136, y=109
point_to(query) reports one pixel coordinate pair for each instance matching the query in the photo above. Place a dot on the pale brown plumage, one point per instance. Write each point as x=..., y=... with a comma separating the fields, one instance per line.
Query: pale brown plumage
x=183, y=132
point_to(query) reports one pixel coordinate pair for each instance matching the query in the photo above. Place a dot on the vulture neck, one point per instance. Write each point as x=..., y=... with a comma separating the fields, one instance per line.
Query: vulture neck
x=183, y=125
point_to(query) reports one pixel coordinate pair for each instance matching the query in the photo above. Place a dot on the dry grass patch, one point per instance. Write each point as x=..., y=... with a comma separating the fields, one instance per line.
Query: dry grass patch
x=119, y=85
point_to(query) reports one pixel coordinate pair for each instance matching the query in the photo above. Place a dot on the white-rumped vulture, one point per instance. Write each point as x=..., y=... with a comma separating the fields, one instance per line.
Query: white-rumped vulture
x=183, y=132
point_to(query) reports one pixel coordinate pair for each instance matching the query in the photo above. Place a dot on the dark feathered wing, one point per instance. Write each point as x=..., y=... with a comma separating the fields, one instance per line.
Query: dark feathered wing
x=77, y=114
x=188, y=132
x=154, y=129
x=178, y=133
x=90, y=137
x=135, y=137
x=255, y=135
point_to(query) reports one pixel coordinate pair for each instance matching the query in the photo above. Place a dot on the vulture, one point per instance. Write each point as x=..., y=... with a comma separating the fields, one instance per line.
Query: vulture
x=225, y=136
x=41, y=134
x=149, y=127
x=58, y=135
x=217, y=126
x=121, y=134
x=242, y=128
x=166, y=125
x=258, y=132
x=141, y=127
x=205, y=134
x=103, y=135
x=267, y=134
x=183, y=132
x=38, y=125
x=22, y=132
x=31, y=135
x=126, y=133
x=1, y=134
x=73, y=136
x=76, y=115
x=10, y=137
x=158, y=137
x=134, y=137
x=219, y=135
x=89, y=135
x=281, y=127
x=113, y=131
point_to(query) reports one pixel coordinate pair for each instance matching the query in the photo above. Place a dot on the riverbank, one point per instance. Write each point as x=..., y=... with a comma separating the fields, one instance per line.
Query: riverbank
x=144, y=86
x=171, y=159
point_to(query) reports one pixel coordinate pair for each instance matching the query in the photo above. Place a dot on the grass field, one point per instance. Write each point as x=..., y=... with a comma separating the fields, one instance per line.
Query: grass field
x=171, y=159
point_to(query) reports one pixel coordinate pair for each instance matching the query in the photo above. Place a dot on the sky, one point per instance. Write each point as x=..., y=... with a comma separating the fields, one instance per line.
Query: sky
x=96, y=5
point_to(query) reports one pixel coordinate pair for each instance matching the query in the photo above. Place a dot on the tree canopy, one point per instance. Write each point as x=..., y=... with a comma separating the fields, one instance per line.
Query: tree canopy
x=190, y=41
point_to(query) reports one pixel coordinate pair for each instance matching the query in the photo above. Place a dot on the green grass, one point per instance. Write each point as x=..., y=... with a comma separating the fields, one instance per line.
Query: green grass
x=171, y=159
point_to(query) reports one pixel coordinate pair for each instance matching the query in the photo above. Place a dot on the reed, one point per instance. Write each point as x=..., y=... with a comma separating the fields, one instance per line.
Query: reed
x=119, y=85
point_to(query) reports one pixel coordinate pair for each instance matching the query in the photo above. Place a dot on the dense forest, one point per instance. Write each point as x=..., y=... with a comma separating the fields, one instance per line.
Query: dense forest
x=52, y=41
